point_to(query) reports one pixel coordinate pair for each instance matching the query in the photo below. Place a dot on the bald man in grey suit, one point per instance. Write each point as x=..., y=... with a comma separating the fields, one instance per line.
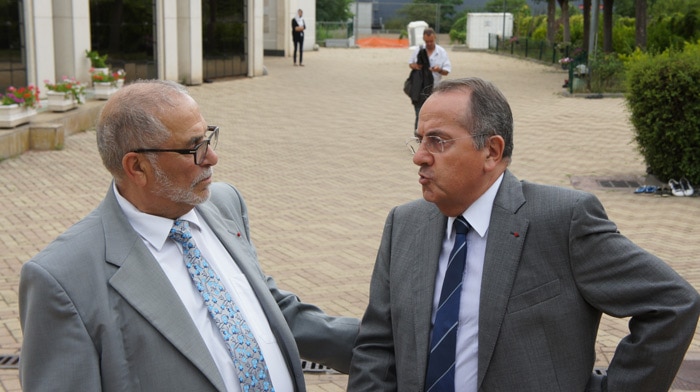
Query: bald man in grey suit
x=543, y=263
x=109, y=305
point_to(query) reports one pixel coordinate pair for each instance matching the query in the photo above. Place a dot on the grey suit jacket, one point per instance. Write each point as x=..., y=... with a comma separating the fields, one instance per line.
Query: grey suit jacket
x=99, y=314
x=553, y=264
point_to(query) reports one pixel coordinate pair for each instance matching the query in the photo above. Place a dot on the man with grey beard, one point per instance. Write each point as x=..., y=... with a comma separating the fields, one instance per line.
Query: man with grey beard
x=159, y=288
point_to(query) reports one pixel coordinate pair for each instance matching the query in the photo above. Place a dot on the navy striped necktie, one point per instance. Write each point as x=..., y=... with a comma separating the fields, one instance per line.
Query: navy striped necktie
x=443, y=340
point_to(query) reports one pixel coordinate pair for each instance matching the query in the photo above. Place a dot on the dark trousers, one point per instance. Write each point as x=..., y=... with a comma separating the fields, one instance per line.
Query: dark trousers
x=299, y=42
x=417, y=106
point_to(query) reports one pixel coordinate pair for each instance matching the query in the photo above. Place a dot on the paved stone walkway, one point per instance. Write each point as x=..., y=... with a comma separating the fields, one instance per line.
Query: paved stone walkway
x=318, y=152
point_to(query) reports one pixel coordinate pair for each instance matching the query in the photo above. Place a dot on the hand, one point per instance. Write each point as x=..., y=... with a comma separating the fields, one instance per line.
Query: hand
x=436, y=69
x=415, y=66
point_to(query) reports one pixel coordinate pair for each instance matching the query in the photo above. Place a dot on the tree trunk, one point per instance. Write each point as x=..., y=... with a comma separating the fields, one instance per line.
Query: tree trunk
x=640, y=25
x=564, y=5
x=608, y=26
x=586, y=23
x=551, y=22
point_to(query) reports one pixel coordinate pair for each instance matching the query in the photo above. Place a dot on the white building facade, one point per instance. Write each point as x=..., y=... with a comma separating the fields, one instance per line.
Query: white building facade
x=56, y=33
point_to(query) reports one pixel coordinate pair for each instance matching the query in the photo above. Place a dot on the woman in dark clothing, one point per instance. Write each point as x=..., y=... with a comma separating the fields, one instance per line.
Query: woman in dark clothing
x=298, y=27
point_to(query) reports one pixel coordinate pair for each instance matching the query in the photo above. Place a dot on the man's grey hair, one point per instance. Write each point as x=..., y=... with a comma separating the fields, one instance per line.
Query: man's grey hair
x=487, y=113
x=131, y=119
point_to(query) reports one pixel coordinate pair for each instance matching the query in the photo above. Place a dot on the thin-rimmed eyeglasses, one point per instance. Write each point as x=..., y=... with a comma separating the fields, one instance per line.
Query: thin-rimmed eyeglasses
x=434, y=144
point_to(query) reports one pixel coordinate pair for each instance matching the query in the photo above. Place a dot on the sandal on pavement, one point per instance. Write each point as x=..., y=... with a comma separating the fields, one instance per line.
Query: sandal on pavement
x=676, y=189
x=687, y=188
x=646, y=189
x=641, y=189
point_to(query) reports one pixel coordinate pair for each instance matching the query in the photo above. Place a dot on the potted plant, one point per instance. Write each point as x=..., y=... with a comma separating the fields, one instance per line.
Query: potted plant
x=105, y=84
x=18, y=105
x=65, y=95
x=119, y=76
x=96, y=61
x=564, y=62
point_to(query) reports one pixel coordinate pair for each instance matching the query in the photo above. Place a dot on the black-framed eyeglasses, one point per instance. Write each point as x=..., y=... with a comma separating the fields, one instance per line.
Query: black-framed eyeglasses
x=434, y=144
x=199, y=151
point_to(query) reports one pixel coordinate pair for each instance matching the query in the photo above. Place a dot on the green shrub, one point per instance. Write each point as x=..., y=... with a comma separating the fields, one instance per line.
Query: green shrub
x=624, y=36
x=663, y=95
x=607, y=73
x=458, y=33
x=672, y=31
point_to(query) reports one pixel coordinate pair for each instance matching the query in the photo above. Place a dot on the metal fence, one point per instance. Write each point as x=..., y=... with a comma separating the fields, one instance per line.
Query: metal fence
x=540, y=50
x=573, y=61
x=333, y=30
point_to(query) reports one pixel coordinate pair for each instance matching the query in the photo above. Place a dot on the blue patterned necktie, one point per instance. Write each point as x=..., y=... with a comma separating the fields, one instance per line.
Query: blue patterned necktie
x=242, y=346
x=443, y=340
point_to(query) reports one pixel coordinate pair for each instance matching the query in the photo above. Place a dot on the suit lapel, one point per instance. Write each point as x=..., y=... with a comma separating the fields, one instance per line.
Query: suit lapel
x=506, y=237
x=143, y=284
x=226, y=230
x=429, y=239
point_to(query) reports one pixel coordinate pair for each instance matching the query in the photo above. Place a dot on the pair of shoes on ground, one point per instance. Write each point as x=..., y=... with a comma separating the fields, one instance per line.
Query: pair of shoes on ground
x=301, y=65
x=680, y=188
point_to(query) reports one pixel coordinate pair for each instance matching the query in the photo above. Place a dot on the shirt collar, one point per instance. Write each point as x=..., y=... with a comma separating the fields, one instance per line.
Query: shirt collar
x=479, y=213
x=153, y=229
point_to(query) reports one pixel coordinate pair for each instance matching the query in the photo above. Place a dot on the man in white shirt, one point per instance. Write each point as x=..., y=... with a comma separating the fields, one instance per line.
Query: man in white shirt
x=439, y=65
x=112, y=304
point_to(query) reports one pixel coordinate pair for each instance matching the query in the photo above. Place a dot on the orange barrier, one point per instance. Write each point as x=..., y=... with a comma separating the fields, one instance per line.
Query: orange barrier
x=381, y=42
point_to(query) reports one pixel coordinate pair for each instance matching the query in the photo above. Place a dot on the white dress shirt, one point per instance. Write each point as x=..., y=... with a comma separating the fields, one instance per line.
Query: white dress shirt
x=438, y=58
x=467, y=358
x=154, y=232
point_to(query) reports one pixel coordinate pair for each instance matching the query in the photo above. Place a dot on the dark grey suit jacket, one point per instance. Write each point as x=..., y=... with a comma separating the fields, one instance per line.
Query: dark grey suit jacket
x=99, y=314
x=542, y=294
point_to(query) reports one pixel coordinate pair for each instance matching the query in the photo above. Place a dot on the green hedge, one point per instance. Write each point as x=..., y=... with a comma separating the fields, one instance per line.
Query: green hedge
x=663, y=95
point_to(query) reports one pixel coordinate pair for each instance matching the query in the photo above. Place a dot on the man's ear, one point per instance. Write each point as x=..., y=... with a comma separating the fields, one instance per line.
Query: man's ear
x=136, y=168
x=494, y=148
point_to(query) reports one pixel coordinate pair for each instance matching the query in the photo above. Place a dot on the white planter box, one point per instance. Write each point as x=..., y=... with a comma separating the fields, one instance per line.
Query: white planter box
x=61, y=102
x=14, y=115
x=103, y=90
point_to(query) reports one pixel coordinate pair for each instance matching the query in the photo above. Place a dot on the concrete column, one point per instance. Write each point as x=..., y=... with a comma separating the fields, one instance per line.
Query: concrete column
x=255, y=38
x=38, y=22
x=71, y=28
x=190, y=52
x=167, y=39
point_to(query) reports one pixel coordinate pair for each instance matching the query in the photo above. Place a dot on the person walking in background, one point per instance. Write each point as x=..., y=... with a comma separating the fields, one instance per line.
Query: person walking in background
x=438, y=64
x=159, y=288
x=298, y=27
x=489, y=283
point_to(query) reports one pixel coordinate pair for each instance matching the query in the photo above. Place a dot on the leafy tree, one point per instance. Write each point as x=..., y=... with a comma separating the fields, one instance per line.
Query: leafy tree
x=458, y=32
x=426, y=10
x=624, y=8
x=333, y=10
x=512, y=6
x=672, y=31
x=669, y=7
